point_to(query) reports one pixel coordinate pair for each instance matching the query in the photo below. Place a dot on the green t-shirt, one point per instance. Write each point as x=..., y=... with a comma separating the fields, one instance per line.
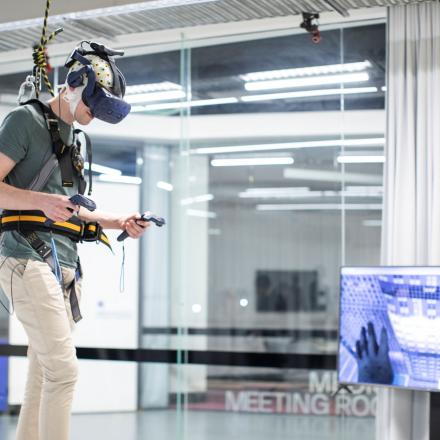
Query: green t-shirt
x=24, y=138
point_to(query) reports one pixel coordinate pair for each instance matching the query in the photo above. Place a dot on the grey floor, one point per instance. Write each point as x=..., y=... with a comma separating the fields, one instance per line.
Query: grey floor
x=203, y=425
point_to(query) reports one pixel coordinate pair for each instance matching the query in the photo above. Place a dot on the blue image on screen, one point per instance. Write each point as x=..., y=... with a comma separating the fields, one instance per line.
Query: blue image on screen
x=389, y=329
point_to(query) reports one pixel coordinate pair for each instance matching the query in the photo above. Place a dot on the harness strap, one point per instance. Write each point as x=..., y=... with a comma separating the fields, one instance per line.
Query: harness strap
x=45, y=253
x=31, y=221
x=62, y=152
x=42, y=177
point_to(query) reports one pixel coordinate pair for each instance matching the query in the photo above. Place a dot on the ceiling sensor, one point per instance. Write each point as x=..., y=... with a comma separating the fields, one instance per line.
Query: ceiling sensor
x=311, y=25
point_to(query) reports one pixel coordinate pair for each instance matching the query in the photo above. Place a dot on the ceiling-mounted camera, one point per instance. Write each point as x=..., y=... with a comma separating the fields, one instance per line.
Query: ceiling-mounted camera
x=311, y=25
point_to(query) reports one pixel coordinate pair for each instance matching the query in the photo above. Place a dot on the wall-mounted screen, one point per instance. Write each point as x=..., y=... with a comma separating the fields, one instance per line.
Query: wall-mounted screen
x=389, y=328
x=286, y=290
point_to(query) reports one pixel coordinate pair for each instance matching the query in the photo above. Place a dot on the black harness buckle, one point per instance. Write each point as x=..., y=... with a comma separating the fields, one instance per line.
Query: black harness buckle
x=92, y=235
x=38, y=245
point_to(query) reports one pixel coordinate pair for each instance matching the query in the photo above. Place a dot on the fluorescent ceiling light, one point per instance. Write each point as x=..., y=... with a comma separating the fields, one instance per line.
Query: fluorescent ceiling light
x=307, y=82
x=252, y=98
x=155, y=96
x=331, y=176
x=361, y=159
x=102, y=169
x=200, y=213
x=372, y=223
x=120, y=179
x=153, y=87
x=383, y=88
x=306, y=71
x=252, y=161
x=308, y=94
x=179, y=105
x=319, y=207
x=197, y=199
x=284, y=195
x=280, y=190
x=359, y=188
x=165, y=186
x=101, y=12
x=297, y=192
x=365, y=142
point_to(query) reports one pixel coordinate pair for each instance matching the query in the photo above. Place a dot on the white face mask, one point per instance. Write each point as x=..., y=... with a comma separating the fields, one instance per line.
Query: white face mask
x=73, y=97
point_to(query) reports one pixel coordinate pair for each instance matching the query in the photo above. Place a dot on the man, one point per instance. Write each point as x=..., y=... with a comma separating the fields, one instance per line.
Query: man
x=43, y=303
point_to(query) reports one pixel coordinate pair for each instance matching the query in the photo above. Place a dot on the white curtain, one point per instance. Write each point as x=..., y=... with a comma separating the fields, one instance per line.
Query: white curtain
x=411, y=220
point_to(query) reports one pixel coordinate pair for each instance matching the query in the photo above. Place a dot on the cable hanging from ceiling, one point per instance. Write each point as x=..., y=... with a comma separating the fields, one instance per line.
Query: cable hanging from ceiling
x=32, y=86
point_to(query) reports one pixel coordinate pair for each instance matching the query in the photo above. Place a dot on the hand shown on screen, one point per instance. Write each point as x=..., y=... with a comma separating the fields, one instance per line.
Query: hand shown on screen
x=373, y=360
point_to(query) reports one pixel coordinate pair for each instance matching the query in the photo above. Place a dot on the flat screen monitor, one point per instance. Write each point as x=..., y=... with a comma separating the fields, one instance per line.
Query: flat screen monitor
x=286, y=290
x=389, y=327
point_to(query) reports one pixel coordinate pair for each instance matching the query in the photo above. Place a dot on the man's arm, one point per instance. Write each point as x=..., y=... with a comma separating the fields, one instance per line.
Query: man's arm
x=108, y=220
x=54, y=206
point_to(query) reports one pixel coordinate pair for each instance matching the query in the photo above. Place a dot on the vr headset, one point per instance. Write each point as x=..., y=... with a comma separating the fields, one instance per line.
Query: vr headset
x=105, y=105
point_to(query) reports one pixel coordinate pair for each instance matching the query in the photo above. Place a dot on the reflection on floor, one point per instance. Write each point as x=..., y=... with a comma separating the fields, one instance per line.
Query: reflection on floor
x=202, y=425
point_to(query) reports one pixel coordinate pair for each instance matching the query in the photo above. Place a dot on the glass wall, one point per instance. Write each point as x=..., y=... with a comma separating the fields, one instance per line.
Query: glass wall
x=284, y=186
x=265, y=158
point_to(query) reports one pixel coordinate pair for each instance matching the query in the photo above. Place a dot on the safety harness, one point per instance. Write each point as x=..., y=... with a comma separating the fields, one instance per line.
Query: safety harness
x=28, y=223
x=105, y=106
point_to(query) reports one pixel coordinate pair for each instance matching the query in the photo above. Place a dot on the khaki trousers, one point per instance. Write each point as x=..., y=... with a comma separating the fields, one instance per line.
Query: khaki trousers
x=44, y=310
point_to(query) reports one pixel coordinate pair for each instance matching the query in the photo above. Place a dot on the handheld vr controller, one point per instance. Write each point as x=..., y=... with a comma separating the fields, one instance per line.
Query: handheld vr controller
x=158, y=221
x=85, y=202
x=80, y=200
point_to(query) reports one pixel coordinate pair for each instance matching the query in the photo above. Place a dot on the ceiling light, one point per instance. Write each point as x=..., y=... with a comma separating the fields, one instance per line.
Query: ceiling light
x=361, y=159
x=282, y=192
x=197, y=199
x=319, y=207
x=307, y=82
x=102, y=169
x=187, y=104
x=165, y=186
x=372, y=223
x=201, y=213
x=155, y=96
x=365, y=142
x=320, y=175
x=308, y=94
x=252, y=161
x=153, y=87
x=306, y=71
x=361, y=189
x=120, y=179
x=296, y=192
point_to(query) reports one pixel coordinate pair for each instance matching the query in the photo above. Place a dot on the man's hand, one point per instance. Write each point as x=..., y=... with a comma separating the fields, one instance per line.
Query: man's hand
x=133, y=225
x=56, y=206
x=373, y=360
